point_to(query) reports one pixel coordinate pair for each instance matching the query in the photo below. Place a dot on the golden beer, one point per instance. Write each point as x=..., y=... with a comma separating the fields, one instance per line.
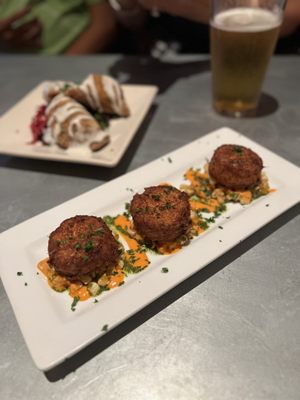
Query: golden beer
x=242, y=43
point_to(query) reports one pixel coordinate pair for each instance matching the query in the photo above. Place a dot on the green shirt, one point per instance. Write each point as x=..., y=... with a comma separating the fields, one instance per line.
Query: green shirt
x=62, y=20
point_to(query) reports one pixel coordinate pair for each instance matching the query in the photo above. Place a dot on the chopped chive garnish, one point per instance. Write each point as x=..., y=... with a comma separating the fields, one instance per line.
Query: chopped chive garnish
x=238, y=150
x=89, y=246
x=74, y=303
x=156, y=197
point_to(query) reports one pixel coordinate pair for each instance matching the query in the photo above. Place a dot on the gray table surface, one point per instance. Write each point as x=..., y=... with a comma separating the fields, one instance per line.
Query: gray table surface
x=232, y=332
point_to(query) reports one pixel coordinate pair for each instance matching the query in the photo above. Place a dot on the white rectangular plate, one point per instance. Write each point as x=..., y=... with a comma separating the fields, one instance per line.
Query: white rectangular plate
x=51, y=330
x=15, y=134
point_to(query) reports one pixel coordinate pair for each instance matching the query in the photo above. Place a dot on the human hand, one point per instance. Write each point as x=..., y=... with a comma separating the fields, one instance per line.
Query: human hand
x=196, y=10
x=20, y=36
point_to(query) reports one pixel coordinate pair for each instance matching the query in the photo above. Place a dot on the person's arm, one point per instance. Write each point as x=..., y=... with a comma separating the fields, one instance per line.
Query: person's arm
x=15, y=35
x=99, y=34
x=291, y=18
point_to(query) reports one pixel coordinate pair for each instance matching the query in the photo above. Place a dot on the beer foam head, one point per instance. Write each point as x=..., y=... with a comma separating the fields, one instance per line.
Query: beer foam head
x=246, y=19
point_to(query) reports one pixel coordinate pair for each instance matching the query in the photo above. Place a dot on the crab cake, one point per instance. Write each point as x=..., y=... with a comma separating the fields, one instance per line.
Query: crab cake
x=82, y=245
x=161, y=213
x=235, y=167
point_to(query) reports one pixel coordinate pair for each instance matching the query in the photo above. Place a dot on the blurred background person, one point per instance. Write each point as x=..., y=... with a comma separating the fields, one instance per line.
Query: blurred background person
x=150, y=29
x=56, y=26
x=183, y=24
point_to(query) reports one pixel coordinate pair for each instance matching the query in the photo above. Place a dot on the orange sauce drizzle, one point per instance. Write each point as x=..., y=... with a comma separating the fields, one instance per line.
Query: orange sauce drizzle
x=197, y=205
x=245, y=197
x=191, y=175
x=60, y=283
x=125, y=224
x=137, y=260
x=78, y=290
x=43, y=266
x=169, y=248
x=140, y=258
x=116, y=278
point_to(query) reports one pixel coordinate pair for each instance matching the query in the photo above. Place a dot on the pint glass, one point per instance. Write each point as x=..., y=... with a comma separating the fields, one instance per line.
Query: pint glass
x=243, y=35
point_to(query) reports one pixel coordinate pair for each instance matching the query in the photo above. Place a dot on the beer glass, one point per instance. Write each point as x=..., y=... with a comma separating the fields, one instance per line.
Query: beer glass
x=243, y=35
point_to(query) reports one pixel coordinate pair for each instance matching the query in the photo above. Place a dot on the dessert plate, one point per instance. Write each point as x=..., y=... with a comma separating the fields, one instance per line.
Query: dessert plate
x=52, y=331
x=16, y=135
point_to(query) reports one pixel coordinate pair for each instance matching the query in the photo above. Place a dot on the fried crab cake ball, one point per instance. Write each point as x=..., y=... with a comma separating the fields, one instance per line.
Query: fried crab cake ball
x=161, y=213
x=235, y=167
x=82, y=245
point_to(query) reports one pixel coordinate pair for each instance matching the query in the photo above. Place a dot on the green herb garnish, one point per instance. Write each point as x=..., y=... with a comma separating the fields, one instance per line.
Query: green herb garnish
x=148, y=247
x=128, y=268
x=109, y=220
x=220, y=209
x=19, y=273
x=238, y=150
x=89, y=246
x=164, y=270
x=139, y=209
x=74, y=303
x=156, y=197
x=65, y=87
x=102, y=119
x=234, y=196
x=203, y=225
x=206, y=210
x=127, y=212
x=104, y=328
x=210, y=220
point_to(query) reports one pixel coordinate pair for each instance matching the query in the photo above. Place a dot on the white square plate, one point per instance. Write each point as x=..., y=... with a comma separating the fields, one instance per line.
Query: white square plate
x=51, y=330
x=15, y=134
